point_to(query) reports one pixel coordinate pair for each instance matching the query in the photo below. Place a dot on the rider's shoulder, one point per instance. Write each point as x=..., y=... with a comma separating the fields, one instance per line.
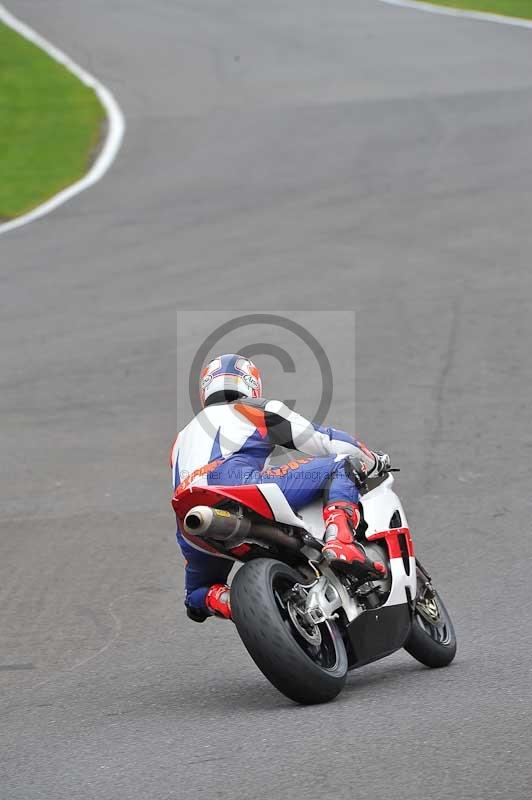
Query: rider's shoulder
x=266, y=404
x=279, y=408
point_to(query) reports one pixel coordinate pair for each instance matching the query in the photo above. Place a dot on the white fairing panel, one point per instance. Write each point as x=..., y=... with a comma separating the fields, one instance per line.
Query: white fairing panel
x=379, y=507
x=313, y=519
x=401, y=581
x=281, y=508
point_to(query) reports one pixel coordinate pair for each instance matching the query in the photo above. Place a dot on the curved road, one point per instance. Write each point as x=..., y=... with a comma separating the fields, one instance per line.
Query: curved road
x=281, y=155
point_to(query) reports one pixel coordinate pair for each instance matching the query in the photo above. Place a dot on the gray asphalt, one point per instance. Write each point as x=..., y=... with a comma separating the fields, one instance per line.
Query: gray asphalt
x=279, y=155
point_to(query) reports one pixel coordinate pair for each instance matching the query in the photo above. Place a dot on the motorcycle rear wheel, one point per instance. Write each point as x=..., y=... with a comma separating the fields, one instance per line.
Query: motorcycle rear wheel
x=302, y=670
x=432, y=639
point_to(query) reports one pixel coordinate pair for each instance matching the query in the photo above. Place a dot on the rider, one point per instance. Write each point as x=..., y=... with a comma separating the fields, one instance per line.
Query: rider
x=228, y=442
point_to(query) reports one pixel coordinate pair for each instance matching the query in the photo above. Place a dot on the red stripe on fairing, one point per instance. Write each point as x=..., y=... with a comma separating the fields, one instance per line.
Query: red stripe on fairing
x=249, y=496
x=392, y=540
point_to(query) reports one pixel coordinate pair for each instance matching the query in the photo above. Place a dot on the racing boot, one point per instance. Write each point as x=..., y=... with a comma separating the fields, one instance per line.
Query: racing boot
x=218, y=600
x=340, y=549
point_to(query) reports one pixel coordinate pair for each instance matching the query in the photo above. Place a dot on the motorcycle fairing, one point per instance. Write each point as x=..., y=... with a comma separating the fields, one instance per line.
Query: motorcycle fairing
x=265, y=499
x=381, y=507
x=249, y=496
x=377, y=633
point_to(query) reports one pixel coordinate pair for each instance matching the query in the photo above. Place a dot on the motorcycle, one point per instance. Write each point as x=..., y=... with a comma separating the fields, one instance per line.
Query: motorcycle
x=304, y=623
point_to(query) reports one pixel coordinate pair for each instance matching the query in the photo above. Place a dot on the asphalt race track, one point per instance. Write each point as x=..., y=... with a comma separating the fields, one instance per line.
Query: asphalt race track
x=302, y=155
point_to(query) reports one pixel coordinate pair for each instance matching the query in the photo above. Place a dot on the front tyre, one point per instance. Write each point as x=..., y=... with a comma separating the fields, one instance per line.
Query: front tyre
x=432, y=639
x=307, y=666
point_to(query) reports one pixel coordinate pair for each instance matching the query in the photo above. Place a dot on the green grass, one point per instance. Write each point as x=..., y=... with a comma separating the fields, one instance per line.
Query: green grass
x=50, y=125
x=511, y=8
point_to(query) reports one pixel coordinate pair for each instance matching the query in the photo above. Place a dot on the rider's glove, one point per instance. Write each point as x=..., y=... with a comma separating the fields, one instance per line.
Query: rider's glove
x=382, y=463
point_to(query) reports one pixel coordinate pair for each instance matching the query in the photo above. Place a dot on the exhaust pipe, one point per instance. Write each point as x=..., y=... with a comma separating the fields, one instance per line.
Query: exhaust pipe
x=223, y=525
x=217, y=523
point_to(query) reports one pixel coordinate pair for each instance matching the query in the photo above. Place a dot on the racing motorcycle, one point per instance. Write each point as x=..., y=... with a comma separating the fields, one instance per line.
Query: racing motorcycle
x=305, y=624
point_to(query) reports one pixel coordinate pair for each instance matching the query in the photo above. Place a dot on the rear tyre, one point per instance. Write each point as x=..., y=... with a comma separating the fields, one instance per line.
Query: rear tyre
x=309, y=668
x=432, y=639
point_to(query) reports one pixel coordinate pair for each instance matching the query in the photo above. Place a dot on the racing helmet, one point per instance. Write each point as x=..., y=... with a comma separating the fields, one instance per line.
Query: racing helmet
x=229, y=377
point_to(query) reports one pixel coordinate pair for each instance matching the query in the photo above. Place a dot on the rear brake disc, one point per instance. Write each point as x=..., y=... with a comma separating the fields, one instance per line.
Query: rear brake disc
x=309, y=631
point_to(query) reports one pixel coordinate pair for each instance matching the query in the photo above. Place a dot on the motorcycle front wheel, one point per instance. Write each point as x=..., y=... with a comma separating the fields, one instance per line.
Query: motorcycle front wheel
x=308, y=665
x=432, y=639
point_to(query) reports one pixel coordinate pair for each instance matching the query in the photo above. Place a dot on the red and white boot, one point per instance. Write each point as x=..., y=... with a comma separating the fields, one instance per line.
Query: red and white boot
x=340, y=549
x=218, y=600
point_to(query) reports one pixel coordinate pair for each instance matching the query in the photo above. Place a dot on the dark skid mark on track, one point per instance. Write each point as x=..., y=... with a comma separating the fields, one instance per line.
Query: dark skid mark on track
x=9, y=667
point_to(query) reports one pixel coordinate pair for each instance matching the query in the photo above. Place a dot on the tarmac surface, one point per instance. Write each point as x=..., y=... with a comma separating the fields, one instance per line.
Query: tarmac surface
x=303, y=155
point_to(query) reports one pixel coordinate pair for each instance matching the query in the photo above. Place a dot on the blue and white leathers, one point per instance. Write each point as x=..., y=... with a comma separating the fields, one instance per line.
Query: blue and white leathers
x=228, y=443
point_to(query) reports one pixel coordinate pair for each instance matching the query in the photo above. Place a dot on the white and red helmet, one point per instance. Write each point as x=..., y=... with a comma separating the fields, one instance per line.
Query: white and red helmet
x=228, y=377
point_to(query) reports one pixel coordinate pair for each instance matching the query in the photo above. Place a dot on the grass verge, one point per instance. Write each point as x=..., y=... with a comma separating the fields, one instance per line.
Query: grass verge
x=509, y=8
x=50, y=125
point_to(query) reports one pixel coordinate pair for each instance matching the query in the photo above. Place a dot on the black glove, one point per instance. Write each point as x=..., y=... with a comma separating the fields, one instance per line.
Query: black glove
x=382, y=463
